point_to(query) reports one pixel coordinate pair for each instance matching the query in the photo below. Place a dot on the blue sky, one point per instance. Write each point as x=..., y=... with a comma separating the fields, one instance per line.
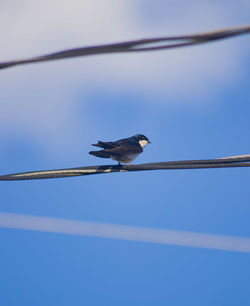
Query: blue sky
x=192, y=103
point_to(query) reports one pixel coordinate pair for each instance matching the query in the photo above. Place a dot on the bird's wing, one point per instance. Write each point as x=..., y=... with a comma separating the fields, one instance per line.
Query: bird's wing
x=123, y=149
x=130, y=145
x=105, y=145
x=117, y=151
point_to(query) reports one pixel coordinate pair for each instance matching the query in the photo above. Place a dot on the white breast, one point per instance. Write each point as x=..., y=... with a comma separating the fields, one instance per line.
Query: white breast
x=128, y=158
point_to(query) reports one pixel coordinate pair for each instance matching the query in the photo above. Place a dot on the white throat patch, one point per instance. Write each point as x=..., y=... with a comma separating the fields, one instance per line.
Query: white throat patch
x=143, y=143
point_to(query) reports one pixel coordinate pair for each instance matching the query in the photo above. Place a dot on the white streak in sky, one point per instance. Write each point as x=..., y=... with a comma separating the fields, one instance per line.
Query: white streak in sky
x=123, y=232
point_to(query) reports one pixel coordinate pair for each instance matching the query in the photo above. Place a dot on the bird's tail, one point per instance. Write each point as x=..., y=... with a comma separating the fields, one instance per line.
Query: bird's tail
x=99, y=144
x=104, y=145
x=101, y=154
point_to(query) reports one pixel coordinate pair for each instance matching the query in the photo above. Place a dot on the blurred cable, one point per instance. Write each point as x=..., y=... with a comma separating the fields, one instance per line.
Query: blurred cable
x=226, y=162
x=122, y=232
x=149, y=44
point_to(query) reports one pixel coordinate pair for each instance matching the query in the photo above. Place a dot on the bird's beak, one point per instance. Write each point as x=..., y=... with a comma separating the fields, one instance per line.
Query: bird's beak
x=149, y=141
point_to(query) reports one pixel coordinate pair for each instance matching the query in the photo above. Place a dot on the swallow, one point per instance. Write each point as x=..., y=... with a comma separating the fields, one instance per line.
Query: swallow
x=123, y=150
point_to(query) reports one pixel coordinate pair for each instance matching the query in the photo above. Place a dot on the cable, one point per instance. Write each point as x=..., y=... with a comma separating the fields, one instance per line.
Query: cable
x=150, y=44
x=228, y=162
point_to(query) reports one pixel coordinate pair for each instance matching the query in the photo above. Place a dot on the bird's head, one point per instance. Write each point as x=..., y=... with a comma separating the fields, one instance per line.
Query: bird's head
x=142, y=140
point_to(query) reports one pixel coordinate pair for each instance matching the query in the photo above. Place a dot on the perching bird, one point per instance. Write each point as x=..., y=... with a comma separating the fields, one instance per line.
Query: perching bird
x=123, y=150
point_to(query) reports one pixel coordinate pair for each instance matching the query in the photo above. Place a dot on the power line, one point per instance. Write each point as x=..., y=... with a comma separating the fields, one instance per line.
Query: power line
x=228, y=162
x=149, y=44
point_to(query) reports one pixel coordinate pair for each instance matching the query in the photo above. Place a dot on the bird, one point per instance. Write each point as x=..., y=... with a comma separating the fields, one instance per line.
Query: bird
x=123, y=150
